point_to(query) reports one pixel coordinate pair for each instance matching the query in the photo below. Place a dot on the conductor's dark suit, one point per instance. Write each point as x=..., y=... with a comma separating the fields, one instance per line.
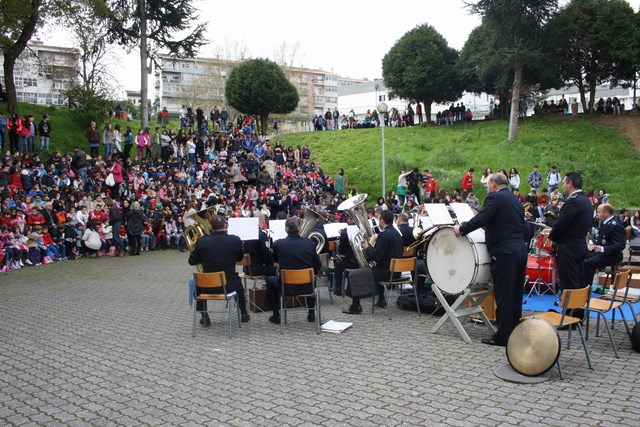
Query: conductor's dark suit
x=220, y=251
x=261, y=259
x=570, y=233
x=502, y=218
x=611, y=236
x=292, y=253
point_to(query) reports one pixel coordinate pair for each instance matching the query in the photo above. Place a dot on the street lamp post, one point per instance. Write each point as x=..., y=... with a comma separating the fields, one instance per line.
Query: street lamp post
x=382, y=110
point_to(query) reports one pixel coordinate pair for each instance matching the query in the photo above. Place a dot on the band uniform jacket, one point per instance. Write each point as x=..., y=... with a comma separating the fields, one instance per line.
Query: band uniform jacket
x=295, y=253
x=218, y=251
x=344, y=246
x=502, y=217
x=407, y=234
x=388, y=245
x=259, y=251
x=611, y=236
x=574, y=221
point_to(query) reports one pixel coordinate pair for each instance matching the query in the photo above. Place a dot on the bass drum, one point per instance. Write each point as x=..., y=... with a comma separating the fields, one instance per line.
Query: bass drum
x=455, y=263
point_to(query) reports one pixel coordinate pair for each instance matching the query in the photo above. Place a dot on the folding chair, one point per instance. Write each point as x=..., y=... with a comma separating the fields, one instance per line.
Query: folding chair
x=571, y=299
x=603, y=306
x=625, y=296
x=212, y=282
x=246, y=271
x=292, y=278
x=399, y=265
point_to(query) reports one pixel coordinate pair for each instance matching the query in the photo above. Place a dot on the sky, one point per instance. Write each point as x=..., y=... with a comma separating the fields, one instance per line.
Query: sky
x=350, y=39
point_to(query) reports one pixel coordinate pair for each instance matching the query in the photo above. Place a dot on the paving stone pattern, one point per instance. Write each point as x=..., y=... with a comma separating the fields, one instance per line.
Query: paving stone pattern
x=107, y=341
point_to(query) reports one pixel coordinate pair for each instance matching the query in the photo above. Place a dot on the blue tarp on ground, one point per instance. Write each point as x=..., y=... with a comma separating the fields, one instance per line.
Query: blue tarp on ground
x=546, y=302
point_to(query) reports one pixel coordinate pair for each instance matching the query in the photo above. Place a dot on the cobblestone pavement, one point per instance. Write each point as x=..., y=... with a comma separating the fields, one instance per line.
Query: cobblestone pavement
x=108, y=342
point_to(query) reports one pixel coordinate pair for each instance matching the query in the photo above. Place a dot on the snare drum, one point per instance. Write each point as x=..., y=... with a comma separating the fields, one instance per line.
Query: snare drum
x=455, y=263
x=540, y=267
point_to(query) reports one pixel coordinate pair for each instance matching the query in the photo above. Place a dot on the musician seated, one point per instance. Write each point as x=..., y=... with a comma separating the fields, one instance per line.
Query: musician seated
x=407, y=240
x=260, y=252
x=388, y=245
x=348, y=260
x=293, y=253
x=220, y=251
x=609, y=244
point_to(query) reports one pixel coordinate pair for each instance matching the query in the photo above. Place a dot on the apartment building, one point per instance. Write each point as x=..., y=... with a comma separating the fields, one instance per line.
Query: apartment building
x=201, y=82
x=42, y=73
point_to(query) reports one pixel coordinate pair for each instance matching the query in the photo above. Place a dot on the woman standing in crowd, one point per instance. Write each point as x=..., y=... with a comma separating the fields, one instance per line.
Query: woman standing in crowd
x=135, y=225
x=514, y=179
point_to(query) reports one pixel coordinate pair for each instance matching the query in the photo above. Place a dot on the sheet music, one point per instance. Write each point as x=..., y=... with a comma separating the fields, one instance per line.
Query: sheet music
x=351, y=230
x=463, y=212
x=245, y=228
x=277, y=229
x=438, y=213
x=333, y=229
x=426, y=222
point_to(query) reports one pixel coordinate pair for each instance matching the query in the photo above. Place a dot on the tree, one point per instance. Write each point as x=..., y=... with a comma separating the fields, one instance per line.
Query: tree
x=259, y=86
x=422, y=67
x=19, y=20
x=518, y=27
x=151, y=25
x=593, y=43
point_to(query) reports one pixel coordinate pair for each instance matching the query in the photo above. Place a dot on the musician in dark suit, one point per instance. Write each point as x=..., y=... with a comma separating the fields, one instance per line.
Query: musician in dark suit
x=348, y=260
x=292, y=253
x=502, y=218
x=570, y=232
x=388, y=245
x=220, y=251
x=608, y=245
x=407, y=240
x=260, y=252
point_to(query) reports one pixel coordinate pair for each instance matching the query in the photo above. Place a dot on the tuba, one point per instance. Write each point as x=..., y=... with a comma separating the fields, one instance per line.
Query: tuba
x=202, y=228
x=310, y=220
x=354, y=206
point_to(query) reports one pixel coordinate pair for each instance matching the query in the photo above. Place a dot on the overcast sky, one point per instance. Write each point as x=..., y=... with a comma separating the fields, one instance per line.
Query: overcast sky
x=351, y=37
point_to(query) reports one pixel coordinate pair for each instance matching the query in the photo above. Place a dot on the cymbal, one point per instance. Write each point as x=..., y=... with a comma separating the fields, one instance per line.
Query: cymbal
x=533, y=347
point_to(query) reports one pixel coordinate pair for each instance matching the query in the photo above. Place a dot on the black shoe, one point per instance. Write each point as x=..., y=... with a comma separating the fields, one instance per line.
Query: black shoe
x=274, y=319
x=311, y=317
x=381, y=303
x=353, y=310
x=205, y=320
x=338, y=293
x=246, y=318
x=491, y=341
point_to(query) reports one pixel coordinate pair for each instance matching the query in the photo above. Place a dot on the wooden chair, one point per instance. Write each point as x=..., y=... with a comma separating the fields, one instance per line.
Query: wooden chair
x=292, y=278
x=572, y=299
x=215, y=285
x=601, y=306
x=399, y=265
x=408, y=251
x=625, y=296
x=246, y=271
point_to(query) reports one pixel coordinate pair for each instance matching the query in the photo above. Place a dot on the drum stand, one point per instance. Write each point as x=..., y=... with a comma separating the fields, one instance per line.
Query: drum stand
x=460, y=315
x=539, y=282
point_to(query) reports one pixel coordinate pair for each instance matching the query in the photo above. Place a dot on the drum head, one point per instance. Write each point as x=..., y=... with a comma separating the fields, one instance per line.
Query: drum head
x=533, y=347
x=451, y=261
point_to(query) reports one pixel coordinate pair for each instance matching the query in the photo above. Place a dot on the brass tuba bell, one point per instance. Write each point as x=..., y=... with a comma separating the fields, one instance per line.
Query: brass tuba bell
x=310, y=220
x=202, y=228
x=354, y=206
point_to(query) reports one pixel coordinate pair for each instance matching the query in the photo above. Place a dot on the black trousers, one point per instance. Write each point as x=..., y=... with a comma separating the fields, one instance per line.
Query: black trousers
x=595, y=261
x=570, y=261
x=340, y=266
x=508, y=265
x=273, y=293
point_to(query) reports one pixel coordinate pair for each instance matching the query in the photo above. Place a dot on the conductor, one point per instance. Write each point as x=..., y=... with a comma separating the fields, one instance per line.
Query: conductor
x=502, y=217
x=220, y=251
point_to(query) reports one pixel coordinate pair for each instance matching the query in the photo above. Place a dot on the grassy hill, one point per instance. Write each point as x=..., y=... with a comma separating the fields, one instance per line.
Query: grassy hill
x=600, y=151
x=603, y=154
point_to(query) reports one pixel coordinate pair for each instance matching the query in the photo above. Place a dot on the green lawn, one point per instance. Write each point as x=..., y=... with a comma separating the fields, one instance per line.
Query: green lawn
x=603, y=154
x=605, y=157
